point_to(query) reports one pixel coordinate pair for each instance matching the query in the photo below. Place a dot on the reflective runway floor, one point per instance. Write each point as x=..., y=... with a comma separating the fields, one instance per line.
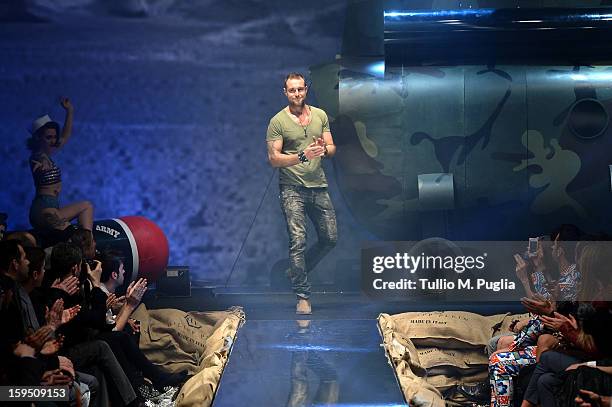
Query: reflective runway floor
x=308, y=363
x=331, y=358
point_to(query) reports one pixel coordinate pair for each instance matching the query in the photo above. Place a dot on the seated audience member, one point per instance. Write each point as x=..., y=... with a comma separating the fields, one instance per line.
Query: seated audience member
x=563, y=253
x=13, y=268
x=80, y=344
x=34, y=279
x=112, y=277
x=13, y=261
x=563, y=278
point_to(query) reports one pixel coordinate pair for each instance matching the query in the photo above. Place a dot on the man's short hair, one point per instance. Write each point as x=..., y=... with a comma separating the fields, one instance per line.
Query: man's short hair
x=293, y=75
x=111, y=261
x=25, y=239
x=9, y=251
x=64, y=257
x=36, y=257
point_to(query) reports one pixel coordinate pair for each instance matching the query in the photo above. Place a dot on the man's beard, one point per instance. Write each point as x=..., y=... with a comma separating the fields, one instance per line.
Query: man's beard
x=301, y=103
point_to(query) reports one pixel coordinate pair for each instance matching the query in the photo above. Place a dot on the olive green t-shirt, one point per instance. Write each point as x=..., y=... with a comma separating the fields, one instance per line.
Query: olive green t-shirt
x=296, y=138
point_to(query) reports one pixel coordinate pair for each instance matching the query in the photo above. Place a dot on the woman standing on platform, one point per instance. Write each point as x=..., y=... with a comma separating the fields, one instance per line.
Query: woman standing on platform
x=45, y=212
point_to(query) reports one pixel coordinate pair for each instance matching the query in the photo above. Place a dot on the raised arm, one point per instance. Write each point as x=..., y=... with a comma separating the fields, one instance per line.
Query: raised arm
x=522, y=274
x=133, y=297
x=67, y=129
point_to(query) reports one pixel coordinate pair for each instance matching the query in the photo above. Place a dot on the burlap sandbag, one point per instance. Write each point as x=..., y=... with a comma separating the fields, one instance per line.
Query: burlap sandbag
x=403, y=357
x=200, y=389
x=416, y=390
x=447, y=329
x=177, y=339
x=461, y=359
x=398, y=347
x=465, y=359
x=194, y=341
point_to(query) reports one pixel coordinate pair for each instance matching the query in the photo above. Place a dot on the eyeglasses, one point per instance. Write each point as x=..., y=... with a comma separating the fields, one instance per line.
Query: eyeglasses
x=296, y=90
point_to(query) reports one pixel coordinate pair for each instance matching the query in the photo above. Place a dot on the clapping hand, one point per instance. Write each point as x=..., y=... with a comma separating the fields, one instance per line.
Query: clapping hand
x=557, y=321
x=70, y=313
x=66, y=366
x=314, y=150
x=589, y=399
x=55, y=378
x=38, y=338
x=111, y=301
x=538, y=305
x=135, y=292
x=53, y=316
x=70, y=285
x=52, y=346
x=57, y=315
x=320, y=142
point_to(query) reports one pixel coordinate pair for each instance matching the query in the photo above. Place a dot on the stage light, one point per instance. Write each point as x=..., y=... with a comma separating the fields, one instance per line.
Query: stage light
x=377, y=68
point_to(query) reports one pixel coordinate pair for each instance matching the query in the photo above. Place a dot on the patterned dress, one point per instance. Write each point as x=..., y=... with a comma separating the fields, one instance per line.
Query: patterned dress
x=504, y=366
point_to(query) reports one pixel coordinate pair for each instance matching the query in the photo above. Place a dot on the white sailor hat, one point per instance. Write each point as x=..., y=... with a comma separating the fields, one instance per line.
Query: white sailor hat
x=41, y=122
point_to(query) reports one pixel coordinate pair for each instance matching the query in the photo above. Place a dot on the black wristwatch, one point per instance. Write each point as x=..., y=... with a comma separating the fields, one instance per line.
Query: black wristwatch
x=302, y=157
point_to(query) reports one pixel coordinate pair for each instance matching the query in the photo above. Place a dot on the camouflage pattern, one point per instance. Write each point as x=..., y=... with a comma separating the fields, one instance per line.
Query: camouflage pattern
x=528, y=146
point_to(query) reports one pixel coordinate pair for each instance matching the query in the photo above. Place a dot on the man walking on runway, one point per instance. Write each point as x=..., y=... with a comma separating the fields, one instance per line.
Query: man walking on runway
x=298, y=138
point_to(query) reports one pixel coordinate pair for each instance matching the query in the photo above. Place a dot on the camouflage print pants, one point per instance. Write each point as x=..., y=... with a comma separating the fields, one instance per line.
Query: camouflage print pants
x=296, y=203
